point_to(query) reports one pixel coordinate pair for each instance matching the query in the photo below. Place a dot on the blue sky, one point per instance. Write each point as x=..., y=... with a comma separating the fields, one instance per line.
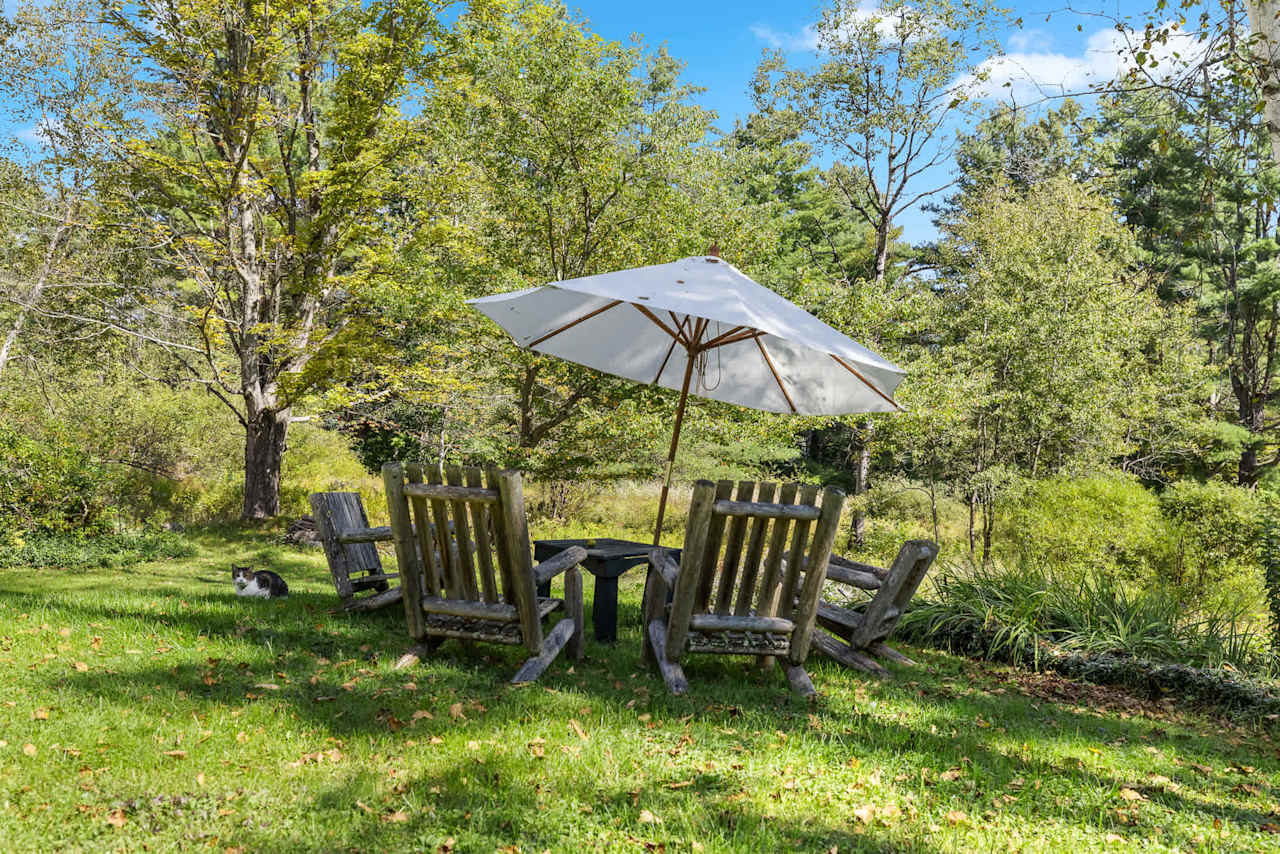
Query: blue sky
x=721, y=42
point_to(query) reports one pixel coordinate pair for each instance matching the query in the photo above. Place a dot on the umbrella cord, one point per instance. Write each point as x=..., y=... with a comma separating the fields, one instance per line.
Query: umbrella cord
x=703, y=359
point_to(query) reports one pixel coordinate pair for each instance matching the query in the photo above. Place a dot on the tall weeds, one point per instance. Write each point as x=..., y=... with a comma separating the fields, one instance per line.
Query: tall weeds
x=1019, y=613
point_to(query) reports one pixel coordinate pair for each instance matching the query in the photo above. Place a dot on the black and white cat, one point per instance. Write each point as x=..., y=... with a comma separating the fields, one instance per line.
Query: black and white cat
x=263, y=584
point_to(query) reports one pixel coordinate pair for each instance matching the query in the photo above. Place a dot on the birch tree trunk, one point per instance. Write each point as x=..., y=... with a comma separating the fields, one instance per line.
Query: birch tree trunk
x=1264, y=26
x=36, y=292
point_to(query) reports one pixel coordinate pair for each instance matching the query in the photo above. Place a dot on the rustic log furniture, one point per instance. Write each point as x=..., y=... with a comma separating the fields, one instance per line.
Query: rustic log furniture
x=862, y=631
x=731, y=594
x=349, y=547
x=607, y=559
x=469, y=575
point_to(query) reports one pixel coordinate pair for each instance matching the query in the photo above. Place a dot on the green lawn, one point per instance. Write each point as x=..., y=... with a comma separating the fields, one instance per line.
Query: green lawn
x=156, y=711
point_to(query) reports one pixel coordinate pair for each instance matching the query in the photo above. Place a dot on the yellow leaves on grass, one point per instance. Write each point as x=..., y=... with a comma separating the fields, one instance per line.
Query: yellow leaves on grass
x=117, y=818
x=333, y=754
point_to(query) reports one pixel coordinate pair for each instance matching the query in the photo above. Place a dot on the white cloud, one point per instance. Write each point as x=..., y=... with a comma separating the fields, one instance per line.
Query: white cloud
x=1030, y=70
x=807, y=38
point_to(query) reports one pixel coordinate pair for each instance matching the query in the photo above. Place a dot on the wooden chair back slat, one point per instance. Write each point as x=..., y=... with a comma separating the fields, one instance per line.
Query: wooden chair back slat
x=733, y=551
x=481, y=524
x=711, y=552
x=767, y=603
x=520, y=556
x=432, y=579
x=406, y=551
x=336, y=512
x=692, y=570
x=453, y=587
x=755, y=550
x=500, y=547
x=795, y=556
x=805, y=614
x=462, y=537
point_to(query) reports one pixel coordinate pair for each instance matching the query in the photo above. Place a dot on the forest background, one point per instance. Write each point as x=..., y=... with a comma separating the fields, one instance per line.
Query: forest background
x=234, y=259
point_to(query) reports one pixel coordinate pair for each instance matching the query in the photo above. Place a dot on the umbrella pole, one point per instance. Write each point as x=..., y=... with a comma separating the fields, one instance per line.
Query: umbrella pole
x=671, y=455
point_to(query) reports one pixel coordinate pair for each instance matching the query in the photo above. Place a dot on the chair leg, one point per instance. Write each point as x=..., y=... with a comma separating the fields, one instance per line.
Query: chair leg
x=885, y=651
x=799, y=679
x=573, y=607
x=417, y=652
x=845, y=654
x=551, y=646
x=672, y=672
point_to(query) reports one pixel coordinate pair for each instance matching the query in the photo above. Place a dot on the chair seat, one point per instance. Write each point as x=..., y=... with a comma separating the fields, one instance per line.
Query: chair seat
x=495, y=631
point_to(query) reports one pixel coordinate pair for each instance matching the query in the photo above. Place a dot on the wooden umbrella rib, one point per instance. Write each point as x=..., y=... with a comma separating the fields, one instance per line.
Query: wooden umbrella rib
x=720, y=339
x=842, y=363
x=768, y=361
x=573, y=323
x=656, y=320
x=666, y=359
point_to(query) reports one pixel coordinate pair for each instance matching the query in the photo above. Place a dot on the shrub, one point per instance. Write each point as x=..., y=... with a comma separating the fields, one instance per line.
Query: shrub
x=1080, y=525
x=66, y=551
x=1018, y=614
x=51, y=485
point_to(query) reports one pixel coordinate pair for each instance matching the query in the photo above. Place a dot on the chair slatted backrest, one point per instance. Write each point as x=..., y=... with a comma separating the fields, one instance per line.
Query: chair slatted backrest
x=755, y=542
x=337, y=513
x=900, y=584
x=466, y=539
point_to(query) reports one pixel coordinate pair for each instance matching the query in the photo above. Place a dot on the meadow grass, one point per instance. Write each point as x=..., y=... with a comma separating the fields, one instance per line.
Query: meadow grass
x=153, y=710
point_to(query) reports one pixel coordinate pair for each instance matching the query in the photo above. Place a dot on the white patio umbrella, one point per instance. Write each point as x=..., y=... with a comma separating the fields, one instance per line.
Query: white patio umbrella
x=699, y=325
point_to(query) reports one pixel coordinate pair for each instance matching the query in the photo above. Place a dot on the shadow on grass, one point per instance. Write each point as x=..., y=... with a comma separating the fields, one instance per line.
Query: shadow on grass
x=280, y=643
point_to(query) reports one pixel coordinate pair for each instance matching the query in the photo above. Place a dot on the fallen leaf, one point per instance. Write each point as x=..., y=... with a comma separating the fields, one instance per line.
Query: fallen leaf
x=537, y=748
x=267, y=686
x=420, y=714
x=951, y=774
x=865, y=813
x=81, y=666
x=176, y=754
x=957, y=817
x=681, y=785
x=200, y=779
x=29, y=749
x=1114, y=837
x=364, y=806
x=396, y=816
x=435, y=739
x=40, y=715
x=647, y=817
x=473, y=745
x=116, y=818
x=446, y=847
x=577, y=727
x=1131, y=795
x=456, y=711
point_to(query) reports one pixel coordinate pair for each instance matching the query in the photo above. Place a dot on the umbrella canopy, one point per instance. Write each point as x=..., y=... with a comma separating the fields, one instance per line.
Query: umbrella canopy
x=747, y=344
x=699, y=325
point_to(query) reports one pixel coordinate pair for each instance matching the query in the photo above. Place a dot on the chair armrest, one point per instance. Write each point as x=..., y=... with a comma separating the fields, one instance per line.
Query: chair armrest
x=853, y=577
x=661, y=560
x=551, y=567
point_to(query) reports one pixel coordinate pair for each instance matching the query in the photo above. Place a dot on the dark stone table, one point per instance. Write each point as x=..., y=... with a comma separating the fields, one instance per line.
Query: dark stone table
x=606, y=559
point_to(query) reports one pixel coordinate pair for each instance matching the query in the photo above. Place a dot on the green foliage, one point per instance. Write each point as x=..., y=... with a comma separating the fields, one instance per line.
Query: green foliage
x=50, y=484
x=1018, y=613
x=1103, y=523
x=1216, y=531
x=103, y=551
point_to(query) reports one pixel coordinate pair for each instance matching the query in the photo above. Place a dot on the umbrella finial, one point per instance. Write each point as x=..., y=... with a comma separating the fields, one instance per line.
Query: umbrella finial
x=714, y=251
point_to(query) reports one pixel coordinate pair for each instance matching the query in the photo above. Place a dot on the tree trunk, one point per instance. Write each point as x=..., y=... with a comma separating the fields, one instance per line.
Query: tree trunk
x=1252, y=418
x=34, y=295
x=882, y=249
x=1265, y=45
x=264, y=441
x=860, y=488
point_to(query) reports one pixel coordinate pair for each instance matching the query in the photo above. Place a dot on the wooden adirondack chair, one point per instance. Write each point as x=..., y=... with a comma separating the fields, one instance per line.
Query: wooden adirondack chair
x=727, y=601
x=349, y=548
x=470, y=575
x=863, y=631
